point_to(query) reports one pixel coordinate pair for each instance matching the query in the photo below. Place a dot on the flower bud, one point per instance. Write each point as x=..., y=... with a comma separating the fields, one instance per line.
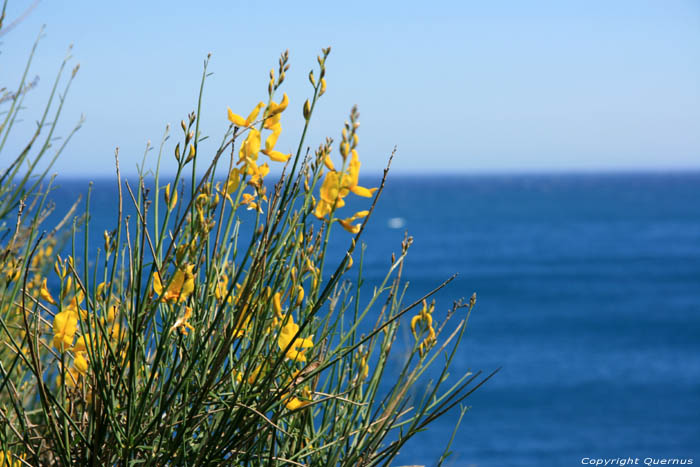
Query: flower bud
x=167, y=194
x=300, y=295
x=344, y=149
x=307, y=109
x=191, y=154
x=277, y=305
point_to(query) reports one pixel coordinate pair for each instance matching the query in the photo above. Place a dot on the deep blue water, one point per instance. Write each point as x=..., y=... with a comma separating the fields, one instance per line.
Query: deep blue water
x=588, y=297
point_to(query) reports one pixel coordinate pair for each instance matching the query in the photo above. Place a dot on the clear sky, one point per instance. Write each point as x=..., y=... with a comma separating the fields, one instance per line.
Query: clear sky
x=458, y=86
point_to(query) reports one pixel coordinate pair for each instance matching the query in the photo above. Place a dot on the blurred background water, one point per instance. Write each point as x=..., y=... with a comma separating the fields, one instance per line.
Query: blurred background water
x=588, y=297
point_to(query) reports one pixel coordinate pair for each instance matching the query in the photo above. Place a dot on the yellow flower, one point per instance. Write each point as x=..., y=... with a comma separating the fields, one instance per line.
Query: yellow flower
x=257, y=173
x=112, y=313
x=183, y=322
x=100, y=289
x=293, y=403
x=277, y=156
x=71, y=378
x=250, y=147
x=425, y=318
x=270, y=146
x=425, y=315
x=247, y=122
x=249, y=200
x=364, y=368
x=347, y=223
x=243, y=324
x=334, y=189
x=45, y=294
x=81, y=344
x=181, y=286
x=271, y=140
x=80, y=363
x=336, y=186
x=354, y=172
x=234, y=179
x=253, y=376
x=116, y=332
x=64, y=326
x=171, y=202
x=273, y=115
x=277, y=305
x=74, y=305
x=274, y=112
x=221, y=289
x=300, y=295
x=328, y=162
x=13, y=273
x=322, y=209
x=298, y=346
x=6, y=460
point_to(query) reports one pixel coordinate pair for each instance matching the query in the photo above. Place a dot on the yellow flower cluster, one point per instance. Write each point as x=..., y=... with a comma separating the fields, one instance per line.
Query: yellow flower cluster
x=13, y=270
x=425, y=319
x=293, y=402
x=337, y=184
x=7, y=460
x=299, y=346
x=251, y=146
x=65, y=322
x=180, y=287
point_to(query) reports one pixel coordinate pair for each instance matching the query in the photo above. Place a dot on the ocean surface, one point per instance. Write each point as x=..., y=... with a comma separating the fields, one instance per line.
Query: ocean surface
x=588, y=298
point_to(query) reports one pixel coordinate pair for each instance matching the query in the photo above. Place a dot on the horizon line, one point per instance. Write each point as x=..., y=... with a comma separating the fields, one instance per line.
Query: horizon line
x=459, y=173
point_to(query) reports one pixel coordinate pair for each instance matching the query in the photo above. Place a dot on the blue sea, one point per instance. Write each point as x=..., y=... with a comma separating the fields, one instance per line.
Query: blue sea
x=588, y=292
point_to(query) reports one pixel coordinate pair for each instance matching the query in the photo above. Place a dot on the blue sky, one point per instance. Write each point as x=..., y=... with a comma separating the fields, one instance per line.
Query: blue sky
x=457, y=86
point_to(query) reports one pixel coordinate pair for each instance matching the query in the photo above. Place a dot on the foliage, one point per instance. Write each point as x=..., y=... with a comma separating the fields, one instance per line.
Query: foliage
x=209, y=330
